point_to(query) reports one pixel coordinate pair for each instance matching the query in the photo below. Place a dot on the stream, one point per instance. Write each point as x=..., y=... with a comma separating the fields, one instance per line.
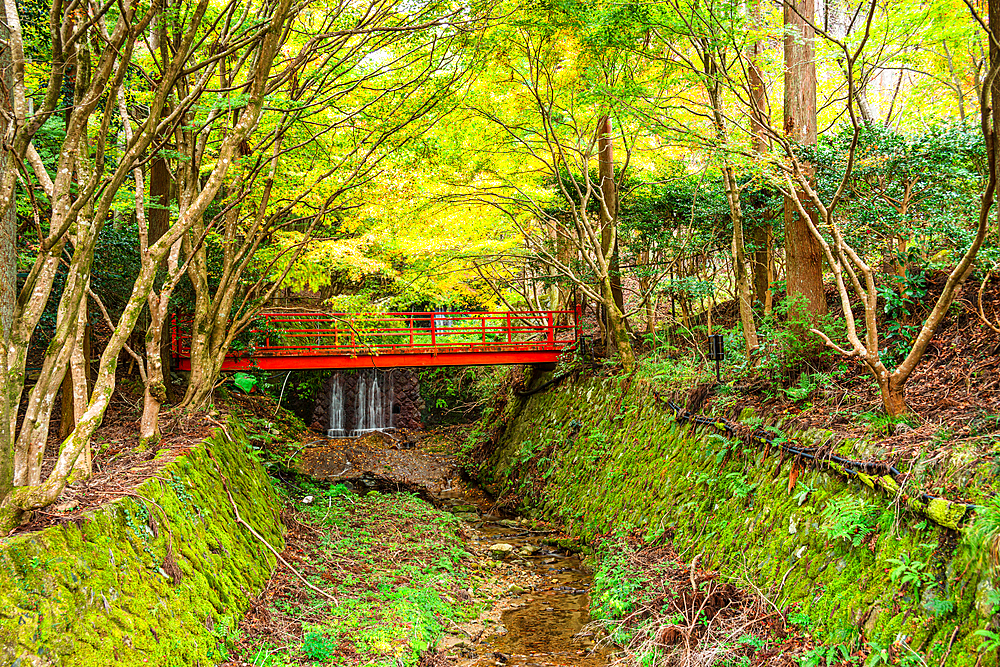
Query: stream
x=542, y=617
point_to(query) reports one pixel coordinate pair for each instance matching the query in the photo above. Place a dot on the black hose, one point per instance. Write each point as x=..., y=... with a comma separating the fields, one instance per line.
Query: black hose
x=557, y=379
x=850, y=467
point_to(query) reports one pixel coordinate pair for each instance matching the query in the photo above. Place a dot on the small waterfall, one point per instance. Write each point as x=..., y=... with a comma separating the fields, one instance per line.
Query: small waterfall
x=373, y=398
x=337, y=428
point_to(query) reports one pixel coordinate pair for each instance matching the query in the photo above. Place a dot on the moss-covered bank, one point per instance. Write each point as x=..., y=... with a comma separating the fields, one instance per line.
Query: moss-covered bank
x=601, y=455
x=159, y=578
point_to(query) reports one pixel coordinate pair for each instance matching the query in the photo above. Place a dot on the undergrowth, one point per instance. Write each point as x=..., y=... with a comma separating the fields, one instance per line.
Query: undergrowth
x=396, y=566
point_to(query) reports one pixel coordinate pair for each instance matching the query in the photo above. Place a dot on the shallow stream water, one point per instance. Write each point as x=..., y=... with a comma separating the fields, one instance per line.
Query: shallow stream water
x=545, y=624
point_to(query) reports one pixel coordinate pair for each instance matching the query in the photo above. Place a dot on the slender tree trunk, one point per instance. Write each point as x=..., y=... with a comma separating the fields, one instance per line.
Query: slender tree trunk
x=956, y=82
x=8, y=255
x=609, y=207
x=740, y=261
x=617, y=332
x=803, y=254
x=761, y=232
x=79, y=374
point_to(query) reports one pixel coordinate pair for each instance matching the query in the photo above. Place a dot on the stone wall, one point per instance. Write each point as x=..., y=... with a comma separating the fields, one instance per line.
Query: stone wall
x=158, y=578
x=406, y=387
x=601, y=455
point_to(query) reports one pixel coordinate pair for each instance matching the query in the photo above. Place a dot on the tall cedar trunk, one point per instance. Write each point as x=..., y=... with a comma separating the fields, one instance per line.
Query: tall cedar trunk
x=609, y=209
x=803, y=254
x=760, y=232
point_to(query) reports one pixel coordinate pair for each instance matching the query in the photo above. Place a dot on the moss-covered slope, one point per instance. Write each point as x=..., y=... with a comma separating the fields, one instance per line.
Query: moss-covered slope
x=158, y=578
x=602, y=456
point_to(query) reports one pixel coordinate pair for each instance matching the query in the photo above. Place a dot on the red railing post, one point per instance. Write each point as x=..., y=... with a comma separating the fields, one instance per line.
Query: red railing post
x=411, y=329
x=482, y=321
x=577, y=316
x=552, y=329
x=433, y=332
x=510, y=332
x=174, y=343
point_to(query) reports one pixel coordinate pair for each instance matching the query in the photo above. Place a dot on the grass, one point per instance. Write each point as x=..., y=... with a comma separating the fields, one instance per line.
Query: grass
x=397, y=567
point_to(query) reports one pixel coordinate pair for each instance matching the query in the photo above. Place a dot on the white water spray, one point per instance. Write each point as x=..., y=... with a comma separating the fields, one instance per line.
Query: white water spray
x=373, y=403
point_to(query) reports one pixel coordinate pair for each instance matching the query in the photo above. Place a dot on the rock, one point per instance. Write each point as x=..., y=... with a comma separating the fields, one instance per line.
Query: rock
x=67, y=506
x=901, y=428
x=514, y=589
x=500, y=549
x=307, y=500
x=451, y=641
x=527, y=550
x=984, y=601
x=509, y=523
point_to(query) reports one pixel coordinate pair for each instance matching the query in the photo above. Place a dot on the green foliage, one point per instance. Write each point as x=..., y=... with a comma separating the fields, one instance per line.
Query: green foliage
x=805, y=388
x=456, y=395
x=849, y=519
x=615, y=585
x=985, y=532
x=909, y=572
x=245, y=381
x=900, y=298
x=834, y=654
x=991, y=641
x=880, y=423
x=317, y=646
x=226, y=634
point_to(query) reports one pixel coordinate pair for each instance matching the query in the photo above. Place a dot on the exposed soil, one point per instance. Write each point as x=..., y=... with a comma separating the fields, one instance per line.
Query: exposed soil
x=383, y=460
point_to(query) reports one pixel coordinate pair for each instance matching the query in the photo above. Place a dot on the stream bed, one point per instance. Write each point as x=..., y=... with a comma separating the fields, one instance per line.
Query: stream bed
x=540, y=623
x=542, y=614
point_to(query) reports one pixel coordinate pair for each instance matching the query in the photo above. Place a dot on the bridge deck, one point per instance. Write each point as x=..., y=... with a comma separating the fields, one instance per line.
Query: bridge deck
x=301, y=341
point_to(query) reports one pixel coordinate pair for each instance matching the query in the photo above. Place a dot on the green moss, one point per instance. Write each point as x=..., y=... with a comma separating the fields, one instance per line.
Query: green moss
x=632, y=467
x=103, y=591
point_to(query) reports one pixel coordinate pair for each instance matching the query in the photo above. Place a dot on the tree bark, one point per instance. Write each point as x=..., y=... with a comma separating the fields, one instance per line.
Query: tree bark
x=8, y=250
x=803, y=254
x=609, y=208
x=761, y=232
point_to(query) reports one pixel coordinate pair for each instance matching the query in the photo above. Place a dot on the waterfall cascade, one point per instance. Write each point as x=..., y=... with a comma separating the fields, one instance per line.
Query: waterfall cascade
x=361, y=403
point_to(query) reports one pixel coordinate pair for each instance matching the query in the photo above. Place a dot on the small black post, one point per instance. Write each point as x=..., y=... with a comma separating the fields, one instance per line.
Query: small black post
x=716, y=353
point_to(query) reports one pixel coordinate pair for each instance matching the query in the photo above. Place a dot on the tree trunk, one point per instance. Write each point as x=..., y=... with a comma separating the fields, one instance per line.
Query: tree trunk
x=761, y=232
x=161, y=194
x=79, y=374
x=892, y=397
x=617, y=332
x=740, y=261
x=803, y=254
x=609, y=207
x=8, y=253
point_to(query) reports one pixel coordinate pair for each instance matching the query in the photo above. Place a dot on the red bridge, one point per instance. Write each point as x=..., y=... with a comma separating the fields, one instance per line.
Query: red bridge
x=303, y=341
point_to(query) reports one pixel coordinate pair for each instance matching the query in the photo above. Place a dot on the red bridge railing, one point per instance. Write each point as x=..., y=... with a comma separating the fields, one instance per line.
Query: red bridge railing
x=321, y=340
